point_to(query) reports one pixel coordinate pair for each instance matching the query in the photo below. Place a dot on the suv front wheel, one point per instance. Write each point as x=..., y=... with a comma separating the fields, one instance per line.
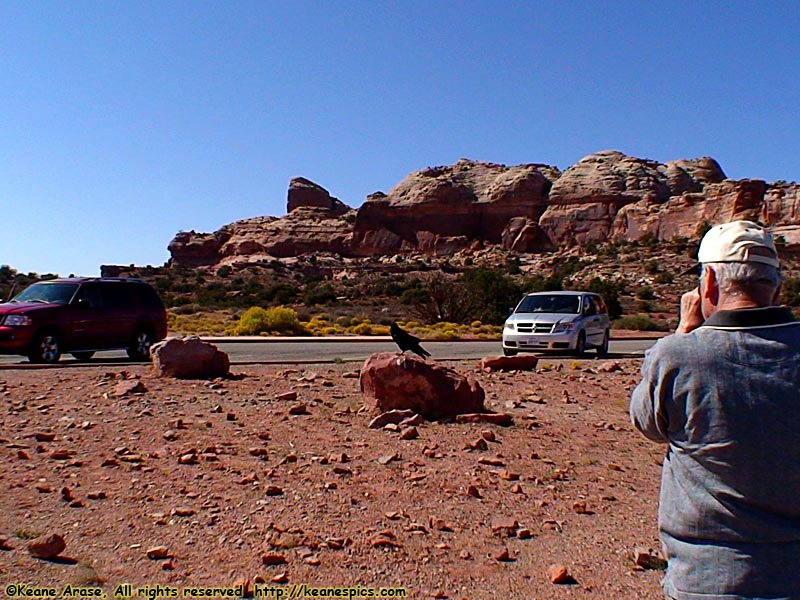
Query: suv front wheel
x=140, y=347
x=46, y=348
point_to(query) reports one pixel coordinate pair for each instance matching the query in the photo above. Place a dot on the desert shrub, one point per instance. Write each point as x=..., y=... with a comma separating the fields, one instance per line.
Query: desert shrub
x=223, y=271
x=319, y=293
x=790, y=294
x=651, y=267
x=610, y=291
x=281, y=293
x=276, y=320
x=361, y=329
x=540, y=283
x=489, y=293
x=645, y=293
x=664, y=277
x=640, y=322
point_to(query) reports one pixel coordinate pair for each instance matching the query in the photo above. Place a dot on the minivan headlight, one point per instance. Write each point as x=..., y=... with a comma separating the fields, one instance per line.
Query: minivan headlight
x=563, y=327
x=17, y=320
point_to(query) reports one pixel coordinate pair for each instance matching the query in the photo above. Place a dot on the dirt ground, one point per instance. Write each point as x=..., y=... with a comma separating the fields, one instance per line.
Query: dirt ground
x=235, y=487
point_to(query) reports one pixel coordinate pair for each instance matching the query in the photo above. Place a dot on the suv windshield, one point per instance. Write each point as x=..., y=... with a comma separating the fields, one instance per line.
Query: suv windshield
x=553, y=303
x=48, y=293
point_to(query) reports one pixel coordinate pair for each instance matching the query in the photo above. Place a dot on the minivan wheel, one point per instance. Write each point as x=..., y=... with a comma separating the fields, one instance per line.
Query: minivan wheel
x=143, y=339
x=602, y=349
x=580, y=345
x=46, y=348
x=87, y=355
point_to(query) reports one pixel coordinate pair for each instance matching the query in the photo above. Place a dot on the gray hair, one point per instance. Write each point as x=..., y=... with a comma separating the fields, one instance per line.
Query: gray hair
x=750, y=278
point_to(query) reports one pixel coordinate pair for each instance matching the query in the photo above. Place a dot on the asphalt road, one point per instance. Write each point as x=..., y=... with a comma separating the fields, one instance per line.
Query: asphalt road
x=287, y=350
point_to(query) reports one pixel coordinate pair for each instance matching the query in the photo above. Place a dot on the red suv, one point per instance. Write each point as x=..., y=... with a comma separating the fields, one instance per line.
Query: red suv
x=82, y=316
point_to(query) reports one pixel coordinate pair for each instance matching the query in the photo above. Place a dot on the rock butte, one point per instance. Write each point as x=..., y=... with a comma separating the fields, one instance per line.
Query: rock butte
x=524, y=208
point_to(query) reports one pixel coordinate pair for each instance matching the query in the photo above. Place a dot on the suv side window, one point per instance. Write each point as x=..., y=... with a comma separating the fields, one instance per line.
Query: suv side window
x=89, y=295
x=146, y=296
x=116, y=295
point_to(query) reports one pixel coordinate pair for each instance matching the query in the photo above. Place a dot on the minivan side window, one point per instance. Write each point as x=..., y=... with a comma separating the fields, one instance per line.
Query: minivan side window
x=589, y=306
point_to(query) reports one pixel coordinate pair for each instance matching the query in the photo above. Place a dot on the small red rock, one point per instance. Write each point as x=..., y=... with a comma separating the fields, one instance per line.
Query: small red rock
x=47, y=546
x=272, y=559
x=558, y=574
x=157, y=553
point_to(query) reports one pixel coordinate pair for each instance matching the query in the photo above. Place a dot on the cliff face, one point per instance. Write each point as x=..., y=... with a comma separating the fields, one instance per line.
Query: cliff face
x=524, y=208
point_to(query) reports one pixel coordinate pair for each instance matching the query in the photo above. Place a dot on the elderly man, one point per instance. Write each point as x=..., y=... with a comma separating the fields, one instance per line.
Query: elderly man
x=724, y=393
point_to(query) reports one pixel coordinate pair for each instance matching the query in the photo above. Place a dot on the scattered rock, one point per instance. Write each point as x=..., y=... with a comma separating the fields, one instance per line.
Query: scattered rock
x=559, y=574
x=610, y=367
x=47, y=546
x=503, y=555
x=410, y=433
x=157, y=553
x=473, y=491
x=287, y=397
x=299, y=409
x=43, y=436
x=391, y=416
x=503, y=419
x=273, y=559
x=505, y=527
x=522, y=362
x=647, y=558
x=387, y=458
x=127, y=387
x=273, y=490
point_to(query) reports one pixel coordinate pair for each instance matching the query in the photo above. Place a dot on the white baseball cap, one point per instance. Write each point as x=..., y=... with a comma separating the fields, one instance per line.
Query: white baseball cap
x=738, y=241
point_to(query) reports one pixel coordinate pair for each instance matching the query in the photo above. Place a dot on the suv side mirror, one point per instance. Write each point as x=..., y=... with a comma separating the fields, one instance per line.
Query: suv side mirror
x=83, y=303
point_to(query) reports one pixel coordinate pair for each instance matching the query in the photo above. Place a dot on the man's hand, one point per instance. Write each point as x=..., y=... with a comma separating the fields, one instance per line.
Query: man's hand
x=691, y=313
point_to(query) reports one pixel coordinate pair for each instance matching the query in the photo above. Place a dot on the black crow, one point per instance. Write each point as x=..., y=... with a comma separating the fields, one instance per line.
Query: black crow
x=406, y=341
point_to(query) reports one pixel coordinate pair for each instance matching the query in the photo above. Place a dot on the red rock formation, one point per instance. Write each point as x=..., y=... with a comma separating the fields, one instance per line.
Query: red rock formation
x=589, y=201
x=317, y=222
x=442, y=209
x=526, y=208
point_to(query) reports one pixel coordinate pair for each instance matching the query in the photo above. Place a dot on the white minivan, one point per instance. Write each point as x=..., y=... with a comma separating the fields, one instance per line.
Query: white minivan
x=562, y=320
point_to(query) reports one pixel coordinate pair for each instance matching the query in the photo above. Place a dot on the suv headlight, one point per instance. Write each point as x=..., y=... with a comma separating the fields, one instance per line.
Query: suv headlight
x=510, y=326
x=17, y=321
x=563, y=327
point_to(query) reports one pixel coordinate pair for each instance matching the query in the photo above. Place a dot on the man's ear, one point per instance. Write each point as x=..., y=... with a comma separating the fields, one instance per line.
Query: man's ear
x=710, y=290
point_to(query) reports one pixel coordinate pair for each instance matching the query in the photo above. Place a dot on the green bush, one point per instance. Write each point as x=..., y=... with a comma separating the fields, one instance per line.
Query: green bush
x=645, y=293
x=276, y=320
x=664, y=277
x=319, y=293
x=610, y=291
x=640, y=322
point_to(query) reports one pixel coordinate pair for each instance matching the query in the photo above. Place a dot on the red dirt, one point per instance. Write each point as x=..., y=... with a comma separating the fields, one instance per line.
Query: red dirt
x=347, y=505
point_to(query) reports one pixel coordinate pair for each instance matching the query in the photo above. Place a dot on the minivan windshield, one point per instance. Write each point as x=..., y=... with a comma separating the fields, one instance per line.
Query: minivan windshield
x=47, y=293
x=550, y=303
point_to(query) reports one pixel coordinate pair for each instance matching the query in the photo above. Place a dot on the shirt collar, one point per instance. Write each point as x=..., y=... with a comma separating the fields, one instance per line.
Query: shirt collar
x=751, y=317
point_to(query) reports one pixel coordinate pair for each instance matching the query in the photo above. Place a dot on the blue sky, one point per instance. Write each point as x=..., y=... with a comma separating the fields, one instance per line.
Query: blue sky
x=122, y=123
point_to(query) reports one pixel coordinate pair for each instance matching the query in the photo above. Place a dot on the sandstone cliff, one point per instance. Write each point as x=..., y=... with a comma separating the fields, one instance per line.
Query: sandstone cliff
x=526, y=208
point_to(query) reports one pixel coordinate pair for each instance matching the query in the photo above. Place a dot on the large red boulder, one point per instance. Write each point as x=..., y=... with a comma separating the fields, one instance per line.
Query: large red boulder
x=396, y=381
x=189, y=358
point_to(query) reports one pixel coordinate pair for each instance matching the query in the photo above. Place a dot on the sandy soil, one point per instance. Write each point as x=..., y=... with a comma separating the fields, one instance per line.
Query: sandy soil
x=229, y=481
